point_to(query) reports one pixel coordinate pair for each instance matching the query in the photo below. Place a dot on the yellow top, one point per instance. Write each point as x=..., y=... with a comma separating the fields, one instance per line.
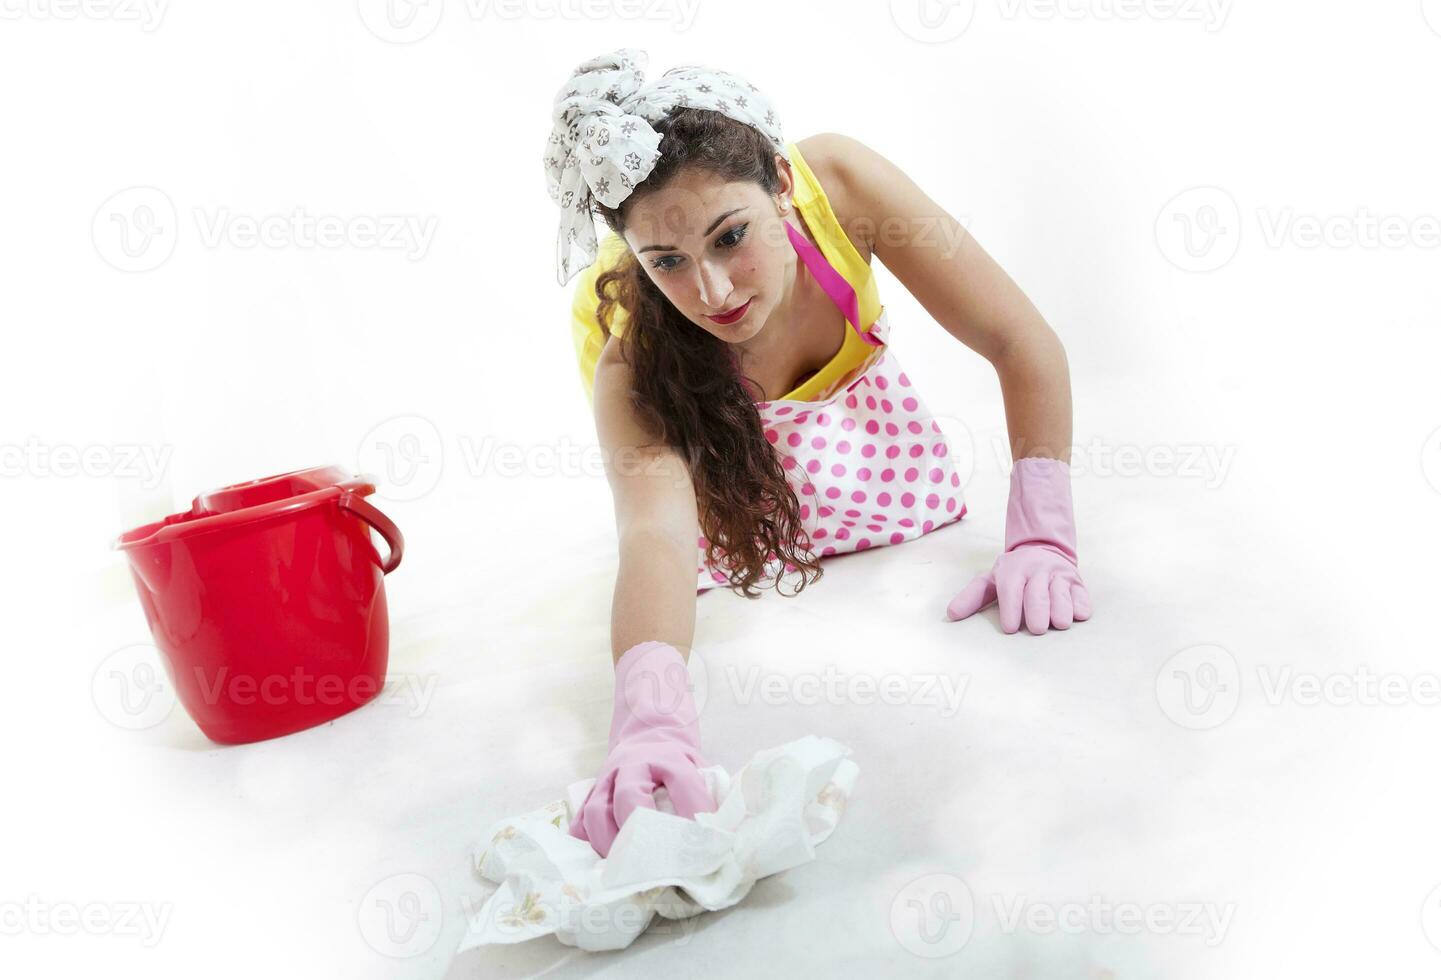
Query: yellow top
x=810, y=199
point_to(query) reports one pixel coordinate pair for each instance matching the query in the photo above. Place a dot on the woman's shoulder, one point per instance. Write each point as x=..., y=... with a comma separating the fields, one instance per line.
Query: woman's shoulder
x=825, y=155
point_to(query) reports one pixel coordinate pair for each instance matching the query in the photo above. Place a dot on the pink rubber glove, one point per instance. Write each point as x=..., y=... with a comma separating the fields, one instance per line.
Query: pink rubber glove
x=1037, y=574
x=654, y=741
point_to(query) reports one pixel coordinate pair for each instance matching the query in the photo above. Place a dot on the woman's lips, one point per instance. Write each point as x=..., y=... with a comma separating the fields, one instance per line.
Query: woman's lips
x=733, y=315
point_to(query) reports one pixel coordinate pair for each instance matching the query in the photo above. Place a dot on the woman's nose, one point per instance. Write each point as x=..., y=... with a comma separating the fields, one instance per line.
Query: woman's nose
x=715, y=286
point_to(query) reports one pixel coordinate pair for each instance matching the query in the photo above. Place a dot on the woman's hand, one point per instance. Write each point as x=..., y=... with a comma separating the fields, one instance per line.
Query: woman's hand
x=1037, y=575
x=654, y=741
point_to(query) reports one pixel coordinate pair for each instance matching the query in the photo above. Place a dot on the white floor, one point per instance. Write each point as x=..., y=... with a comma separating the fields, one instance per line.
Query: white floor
x=1288, y=840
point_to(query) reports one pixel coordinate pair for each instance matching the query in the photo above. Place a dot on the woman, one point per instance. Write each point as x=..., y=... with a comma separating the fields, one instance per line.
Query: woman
x=733, y=345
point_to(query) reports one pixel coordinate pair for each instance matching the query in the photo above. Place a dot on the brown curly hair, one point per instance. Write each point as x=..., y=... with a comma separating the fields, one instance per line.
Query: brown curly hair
x=688, y=386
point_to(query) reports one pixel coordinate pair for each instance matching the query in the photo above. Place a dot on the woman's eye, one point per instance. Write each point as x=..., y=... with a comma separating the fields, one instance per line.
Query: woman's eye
x=730, y=239
x=733, y=237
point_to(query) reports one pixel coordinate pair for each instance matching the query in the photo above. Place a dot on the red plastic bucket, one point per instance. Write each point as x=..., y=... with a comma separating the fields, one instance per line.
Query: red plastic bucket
x=267, y=601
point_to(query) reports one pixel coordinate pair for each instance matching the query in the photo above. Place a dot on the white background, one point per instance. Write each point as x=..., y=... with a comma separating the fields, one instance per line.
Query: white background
x=1258, y=469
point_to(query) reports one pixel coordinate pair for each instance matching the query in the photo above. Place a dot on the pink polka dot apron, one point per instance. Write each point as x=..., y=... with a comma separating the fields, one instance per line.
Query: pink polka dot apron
x=868, y=463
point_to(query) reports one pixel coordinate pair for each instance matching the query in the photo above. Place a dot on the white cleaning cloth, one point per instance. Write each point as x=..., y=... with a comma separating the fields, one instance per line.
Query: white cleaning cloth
x=771, y=815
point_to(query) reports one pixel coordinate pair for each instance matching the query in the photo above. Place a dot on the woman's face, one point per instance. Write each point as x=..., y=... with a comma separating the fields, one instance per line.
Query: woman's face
x=713, y=247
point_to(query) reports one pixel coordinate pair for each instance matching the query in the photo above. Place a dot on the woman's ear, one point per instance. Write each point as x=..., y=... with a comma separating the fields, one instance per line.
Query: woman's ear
x=787, y=188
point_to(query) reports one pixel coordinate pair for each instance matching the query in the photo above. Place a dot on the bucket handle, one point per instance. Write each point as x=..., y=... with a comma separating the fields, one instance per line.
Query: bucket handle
x=358, y=506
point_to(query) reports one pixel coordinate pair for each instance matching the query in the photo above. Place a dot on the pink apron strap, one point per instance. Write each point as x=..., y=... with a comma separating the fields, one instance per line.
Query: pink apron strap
x=841, y=292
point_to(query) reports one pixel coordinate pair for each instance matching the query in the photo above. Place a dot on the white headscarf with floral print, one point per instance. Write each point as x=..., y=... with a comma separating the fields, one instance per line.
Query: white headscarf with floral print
x=603, y=144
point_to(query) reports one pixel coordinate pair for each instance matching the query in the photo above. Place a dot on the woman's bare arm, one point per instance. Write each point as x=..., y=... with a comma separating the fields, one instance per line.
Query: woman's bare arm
x=962, y=287
x=655, y=518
